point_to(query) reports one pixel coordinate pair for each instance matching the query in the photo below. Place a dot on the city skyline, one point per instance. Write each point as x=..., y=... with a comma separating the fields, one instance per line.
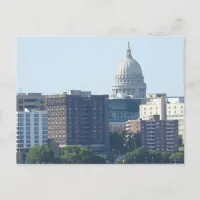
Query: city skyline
x=121, y=100
x=53, y=63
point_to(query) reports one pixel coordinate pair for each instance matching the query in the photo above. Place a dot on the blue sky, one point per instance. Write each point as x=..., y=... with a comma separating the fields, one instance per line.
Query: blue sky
x=57, y=64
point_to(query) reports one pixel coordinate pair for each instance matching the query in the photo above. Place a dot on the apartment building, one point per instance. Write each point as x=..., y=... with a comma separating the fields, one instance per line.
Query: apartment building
x=79, y=118
x=159, y=135
x=32, y=129
x=31, y=101
x=156, y=134
x=168, y=108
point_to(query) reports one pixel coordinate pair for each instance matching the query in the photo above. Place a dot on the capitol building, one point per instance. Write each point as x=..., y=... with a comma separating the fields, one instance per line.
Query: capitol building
x=129, y=80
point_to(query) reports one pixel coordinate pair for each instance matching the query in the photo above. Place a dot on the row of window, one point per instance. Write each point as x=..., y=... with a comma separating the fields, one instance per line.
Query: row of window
x=129, y=81
x=29, y=114
x=28, y=132
x=145, y=108
x=175, y=115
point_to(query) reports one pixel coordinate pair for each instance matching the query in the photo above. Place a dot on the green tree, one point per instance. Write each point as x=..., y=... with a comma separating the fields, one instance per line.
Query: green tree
x=139, y=155
x=40, y=154
x=180, y=141
x=117, y=142
x=177, y=157
x=111, y=157
x=95, y=159
x=166, y=157
x=156, y=157
x=80, y=155
x=129, y=142
x=138, y=140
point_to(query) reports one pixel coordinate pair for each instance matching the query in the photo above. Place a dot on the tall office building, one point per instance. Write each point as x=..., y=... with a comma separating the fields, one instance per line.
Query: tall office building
x=31, y=101
x=79, y=118
x=32, y=129
x=168, y=108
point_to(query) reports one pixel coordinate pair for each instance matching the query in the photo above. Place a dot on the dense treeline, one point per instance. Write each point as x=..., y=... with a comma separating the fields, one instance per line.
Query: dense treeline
x=125, y=148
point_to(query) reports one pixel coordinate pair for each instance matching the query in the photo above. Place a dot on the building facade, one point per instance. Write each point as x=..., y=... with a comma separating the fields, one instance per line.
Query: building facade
x=32, y=129
x=129, y=80
x=122, y=110
x=159, y=135
x=79, y=118
x=155, y=105
x=117, y=127
x=168, y=108
x=133, y=126
x=175, y=111
x=31, y=101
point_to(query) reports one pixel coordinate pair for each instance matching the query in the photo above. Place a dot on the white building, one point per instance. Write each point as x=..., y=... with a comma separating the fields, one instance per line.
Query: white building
x=175, y=111
x=129, y=80
x=32, y=129
x=155, y=105
x=168, y=108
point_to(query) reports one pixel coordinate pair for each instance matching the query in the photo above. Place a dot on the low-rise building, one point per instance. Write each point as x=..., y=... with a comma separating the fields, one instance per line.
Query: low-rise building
x=133, y=126
x=117, y=127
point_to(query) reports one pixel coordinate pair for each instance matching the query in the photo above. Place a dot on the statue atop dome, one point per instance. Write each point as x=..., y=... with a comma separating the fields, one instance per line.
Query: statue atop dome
x=128, y=53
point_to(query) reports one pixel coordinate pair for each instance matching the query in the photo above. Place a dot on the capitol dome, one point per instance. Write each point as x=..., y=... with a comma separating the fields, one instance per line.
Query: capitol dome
x=129, y=80
x=129, y=67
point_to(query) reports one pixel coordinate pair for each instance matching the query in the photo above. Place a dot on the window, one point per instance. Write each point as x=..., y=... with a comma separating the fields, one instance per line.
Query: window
x=36, y=115
x=36, y=137
x=28, y=137
x=36, y=124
